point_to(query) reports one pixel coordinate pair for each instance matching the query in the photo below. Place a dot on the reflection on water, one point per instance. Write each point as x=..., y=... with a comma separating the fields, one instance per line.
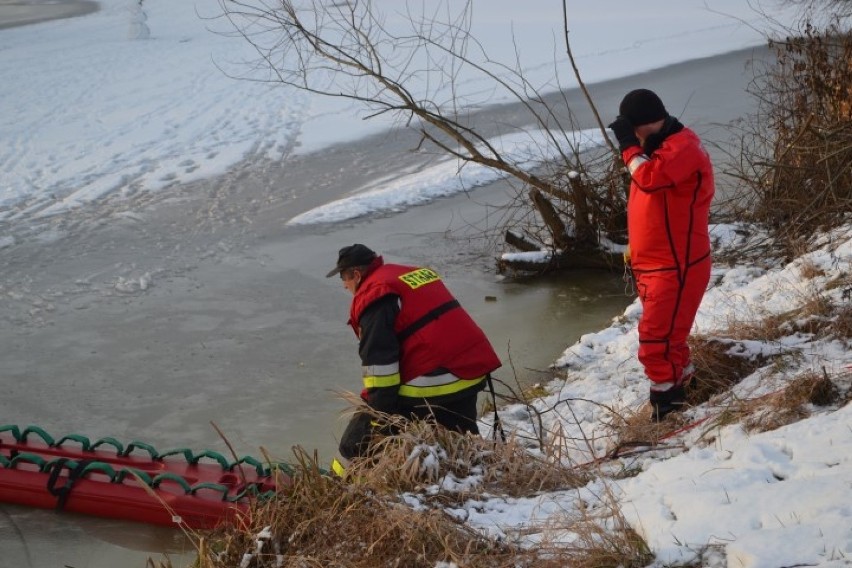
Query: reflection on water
x=534, y=320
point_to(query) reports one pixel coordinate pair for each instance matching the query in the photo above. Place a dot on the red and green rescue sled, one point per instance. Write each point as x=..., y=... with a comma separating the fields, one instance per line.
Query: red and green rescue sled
x=133, y=482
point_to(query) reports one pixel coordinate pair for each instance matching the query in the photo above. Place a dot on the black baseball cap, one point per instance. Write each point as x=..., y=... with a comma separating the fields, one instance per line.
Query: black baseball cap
x=351, y=256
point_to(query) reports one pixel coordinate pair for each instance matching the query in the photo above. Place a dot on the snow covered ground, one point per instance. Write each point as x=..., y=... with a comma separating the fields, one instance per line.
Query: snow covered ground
x=136, y=98
x=130, y=99
x=714, y=494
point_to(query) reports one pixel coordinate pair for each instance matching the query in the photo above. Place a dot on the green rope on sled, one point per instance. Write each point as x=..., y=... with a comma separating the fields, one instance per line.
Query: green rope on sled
x=142, y=445
x=16, y=432
x=121, y=450
x=120, y=476
x=27, y=458
x=119, y=447
x=223, y=462
x=173, y=477
x=135, y=474
x=258, y=467
x=218, y=487
x=99, y=467
x=82, y=440
x=48, y=439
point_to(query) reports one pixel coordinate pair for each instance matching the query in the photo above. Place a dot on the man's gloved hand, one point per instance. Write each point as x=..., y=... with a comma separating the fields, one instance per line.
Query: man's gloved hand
x=623, y=131
x=626, y=254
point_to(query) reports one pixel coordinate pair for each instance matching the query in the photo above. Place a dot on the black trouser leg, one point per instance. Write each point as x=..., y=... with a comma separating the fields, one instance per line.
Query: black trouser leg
x=458, y=414
x=355, y=441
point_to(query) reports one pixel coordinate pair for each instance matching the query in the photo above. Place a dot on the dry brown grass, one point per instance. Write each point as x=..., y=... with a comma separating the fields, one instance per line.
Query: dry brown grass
x=421, y=455
x=630, y=427
x=720, y=363
x=323, y=521
x=842, y=281
x=810, y=317
x=608, y=547
x=810, y=270
x=787, y=405
x=840, y=325
x=320, y=520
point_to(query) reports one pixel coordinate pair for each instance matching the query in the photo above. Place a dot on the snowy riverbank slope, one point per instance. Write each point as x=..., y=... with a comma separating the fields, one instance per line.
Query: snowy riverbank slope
x=718, y=493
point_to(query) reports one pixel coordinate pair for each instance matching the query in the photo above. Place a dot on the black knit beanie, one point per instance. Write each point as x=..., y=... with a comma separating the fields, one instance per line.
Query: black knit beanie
x=642, y=107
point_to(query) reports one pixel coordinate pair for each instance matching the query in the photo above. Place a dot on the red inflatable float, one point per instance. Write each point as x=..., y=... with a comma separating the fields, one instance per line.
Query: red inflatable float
x=132, y=482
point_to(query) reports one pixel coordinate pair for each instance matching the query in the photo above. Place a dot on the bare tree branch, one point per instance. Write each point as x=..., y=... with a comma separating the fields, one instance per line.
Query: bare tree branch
x=581, y=83
x=410, y=69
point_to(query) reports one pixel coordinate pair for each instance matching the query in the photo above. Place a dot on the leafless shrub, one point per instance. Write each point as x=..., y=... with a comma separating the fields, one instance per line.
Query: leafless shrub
x=818, y=9
x=796, y=163
x=413, y=71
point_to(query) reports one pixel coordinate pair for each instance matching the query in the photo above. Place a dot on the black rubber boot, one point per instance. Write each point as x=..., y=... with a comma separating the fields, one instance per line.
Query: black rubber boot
x=666, y=402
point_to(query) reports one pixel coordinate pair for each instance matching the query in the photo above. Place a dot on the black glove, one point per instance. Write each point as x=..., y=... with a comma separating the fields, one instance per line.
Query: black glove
x=623, y=131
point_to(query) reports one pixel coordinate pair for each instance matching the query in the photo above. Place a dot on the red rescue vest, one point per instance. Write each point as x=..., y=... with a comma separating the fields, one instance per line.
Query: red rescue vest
x=434, y=331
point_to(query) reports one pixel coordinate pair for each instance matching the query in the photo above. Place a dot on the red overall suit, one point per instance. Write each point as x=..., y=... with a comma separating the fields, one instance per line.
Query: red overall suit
x=667, y=216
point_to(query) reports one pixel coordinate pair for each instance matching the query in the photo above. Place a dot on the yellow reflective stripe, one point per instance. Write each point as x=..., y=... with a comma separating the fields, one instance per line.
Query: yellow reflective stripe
x=337, y=468
x=458, y=385
x=636, y=161
x=378, y=381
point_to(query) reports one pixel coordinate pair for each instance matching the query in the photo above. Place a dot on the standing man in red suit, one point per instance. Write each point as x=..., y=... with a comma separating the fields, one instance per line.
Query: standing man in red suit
x=668, y=211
